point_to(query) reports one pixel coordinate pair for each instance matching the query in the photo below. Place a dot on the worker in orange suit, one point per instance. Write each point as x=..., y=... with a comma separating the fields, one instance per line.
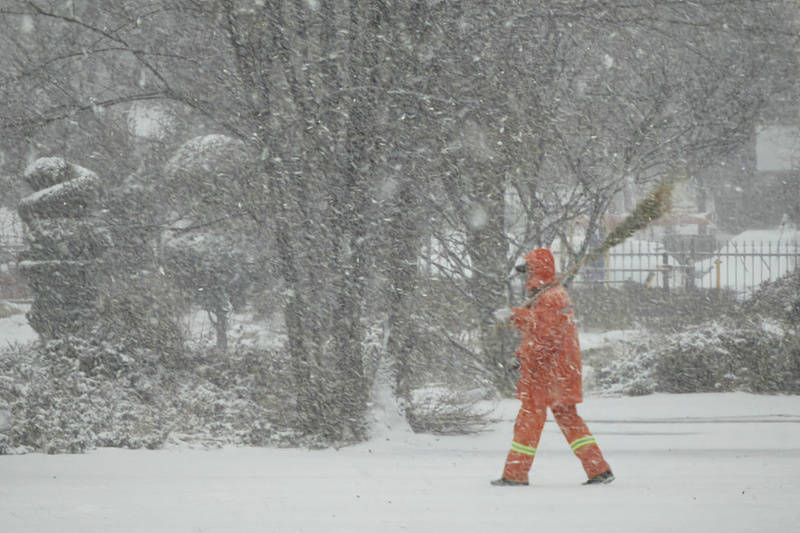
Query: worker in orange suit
x=550, y=376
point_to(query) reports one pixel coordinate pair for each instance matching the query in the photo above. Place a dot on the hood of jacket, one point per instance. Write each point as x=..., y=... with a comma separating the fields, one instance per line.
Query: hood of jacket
x=541, y=268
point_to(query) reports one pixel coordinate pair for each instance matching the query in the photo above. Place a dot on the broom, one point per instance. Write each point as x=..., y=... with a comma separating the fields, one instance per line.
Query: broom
x=650, y=208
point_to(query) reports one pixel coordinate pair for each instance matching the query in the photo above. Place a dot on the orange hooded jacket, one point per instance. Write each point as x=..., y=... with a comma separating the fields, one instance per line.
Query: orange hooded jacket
x=549, y=354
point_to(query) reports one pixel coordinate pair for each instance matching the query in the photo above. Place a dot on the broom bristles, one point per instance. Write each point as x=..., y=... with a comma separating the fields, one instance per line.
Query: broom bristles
x=650, y=208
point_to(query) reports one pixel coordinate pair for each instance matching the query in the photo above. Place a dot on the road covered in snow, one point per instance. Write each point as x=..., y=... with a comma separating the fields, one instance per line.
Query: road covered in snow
x=698, y=462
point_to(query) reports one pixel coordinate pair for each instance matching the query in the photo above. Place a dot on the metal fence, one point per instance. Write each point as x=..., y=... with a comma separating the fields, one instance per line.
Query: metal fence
x=738, y=266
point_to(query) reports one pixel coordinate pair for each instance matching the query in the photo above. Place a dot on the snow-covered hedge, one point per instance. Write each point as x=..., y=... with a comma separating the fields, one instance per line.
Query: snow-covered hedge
x=752, y=347
x=780, y=299
x=48, y=171
x=72, y=395
x=742, y=353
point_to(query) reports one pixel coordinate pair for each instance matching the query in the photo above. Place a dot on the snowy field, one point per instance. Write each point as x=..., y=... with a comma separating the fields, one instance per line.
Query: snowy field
x=692, y=463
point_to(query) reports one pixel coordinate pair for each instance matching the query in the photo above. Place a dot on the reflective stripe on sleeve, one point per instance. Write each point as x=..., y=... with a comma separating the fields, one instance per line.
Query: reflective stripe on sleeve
x=581, y=442
x=521, y=448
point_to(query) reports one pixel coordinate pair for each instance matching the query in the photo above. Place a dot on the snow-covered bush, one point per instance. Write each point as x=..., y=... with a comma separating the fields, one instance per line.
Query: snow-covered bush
x=780, y=300
x=208, y=177
x=214, y=271
x=213, y=251
x=139, y=309
x=58, y=405
x=61, y=263
x=71, y=395
x=736, y=352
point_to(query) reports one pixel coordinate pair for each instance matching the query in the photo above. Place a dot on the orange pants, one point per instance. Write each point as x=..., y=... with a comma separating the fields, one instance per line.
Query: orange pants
x=528, y=429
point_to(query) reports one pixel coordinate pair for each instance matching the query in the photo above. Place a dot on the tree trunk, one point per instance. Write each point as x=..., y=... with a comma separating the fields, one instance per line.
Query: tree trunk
x=401, y=273
x=488, y=249
x=221, y=325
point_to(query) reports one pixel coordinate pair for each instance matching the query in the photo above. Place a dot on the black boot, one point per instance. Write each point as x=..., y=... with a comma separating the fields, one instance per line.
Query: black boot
x=605, y=477
x=503, y=482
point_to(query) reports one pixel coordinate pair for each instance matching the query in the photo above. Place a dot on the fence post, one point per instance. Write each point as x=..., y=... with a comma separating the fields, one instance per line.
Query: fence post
x=665, y=259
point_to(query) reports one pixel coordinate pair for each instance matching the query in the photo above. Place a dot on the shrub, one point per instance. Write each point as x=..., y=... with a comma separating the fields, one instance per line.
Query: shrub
x=71, y=395
x=751, y=346
x=780, y=300
x=737, y=352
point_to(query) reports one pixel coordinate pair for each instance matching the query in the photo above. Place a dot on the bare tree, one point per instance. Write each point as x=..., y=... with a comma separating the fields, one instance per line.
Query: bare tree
x=570, y=105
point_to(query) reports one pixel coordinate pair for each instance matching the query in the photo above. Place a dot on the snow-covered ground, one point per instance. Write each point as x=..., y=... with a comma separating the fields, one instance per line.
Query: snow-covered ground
x=700, y=462
x=15, y=329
